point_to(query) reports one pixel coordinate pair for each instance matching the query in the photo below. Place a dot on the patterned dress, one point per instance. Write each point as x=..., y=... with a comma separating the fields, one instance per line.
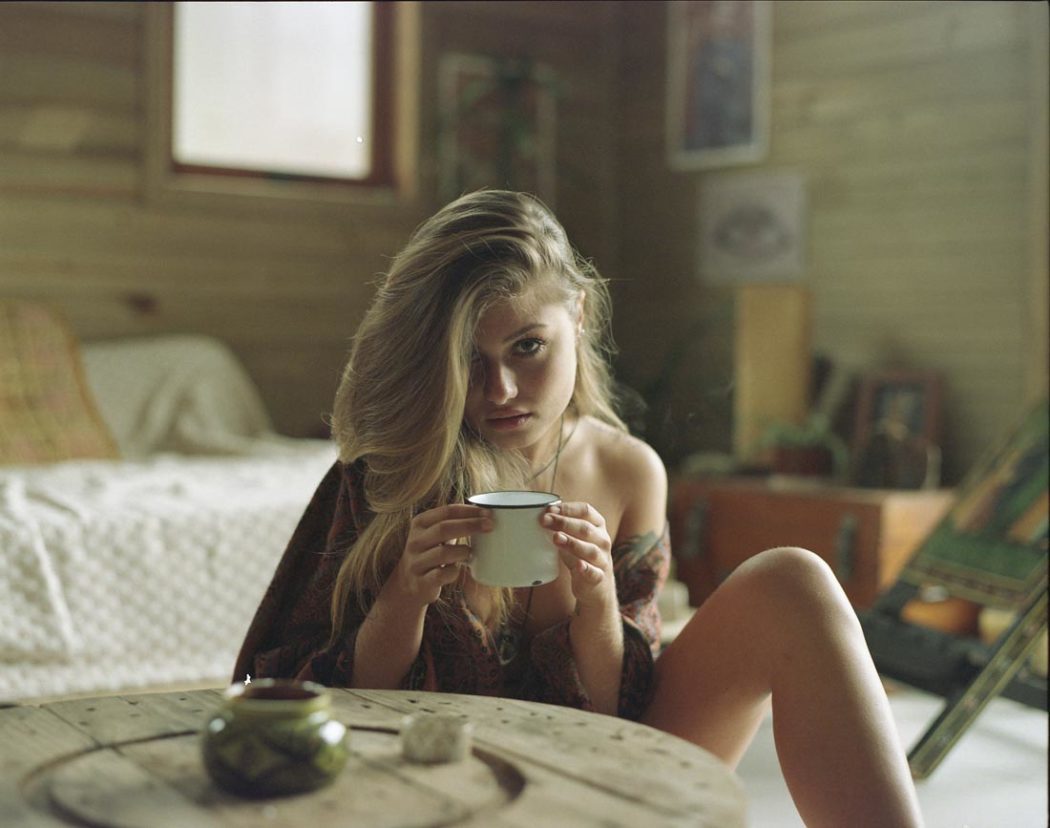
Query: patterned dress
x=289, y=636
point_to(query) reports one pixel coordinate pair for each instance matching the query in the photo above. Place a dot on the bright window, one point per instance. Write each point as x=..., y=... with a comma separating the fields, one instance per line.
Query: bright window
x=277, y=89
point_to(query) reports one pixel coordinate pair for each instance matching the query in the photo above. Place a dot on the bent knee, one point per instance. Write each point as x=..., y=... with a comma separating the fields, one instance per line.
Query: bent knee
x=795, y=574
x=788, y=562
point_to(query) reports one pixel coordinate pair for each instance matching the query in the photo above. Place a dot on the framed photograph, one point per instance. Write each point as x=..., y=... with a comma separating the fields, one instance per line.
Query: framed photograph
x=752, y=228
x=717, y=82
x=896, y=440
x=497, y=125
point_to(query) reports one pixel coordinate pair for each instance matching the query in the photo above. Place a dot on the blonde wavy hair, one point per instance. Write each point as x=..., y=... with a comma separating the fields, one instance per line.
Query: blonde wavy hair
x=401, y=402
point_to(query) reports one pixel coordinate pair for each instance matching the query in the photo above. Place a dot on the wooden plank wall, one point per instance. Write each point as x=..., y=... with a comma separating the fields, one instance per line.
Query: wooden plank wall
x=286, y=291
x=77, y=230
x=675, y=334
x=916, y=125
x=577, y=41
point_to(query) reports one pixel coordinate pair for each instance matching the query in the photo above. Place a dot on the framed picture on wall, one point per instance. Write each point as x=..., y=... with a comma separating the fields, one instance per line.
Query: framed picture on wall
x=896, y=439
x=717, y=82
x=497, y=125
x=752, y=227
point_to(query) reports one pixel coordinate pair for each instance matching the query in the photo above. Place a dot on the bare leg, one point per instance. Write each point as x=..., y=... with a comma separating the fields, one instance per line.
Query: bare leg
x=781, y=625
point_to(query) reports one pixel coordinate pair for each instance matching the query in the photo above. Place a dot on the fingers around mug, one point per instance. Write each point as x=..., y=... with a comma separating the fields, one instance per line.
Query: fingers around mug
x=576, y=527
x=442, y=575
x=452, y=511
x=448, y=530
x=580, y=549
x=442, y=556
x=579, y=568
x=578, y=509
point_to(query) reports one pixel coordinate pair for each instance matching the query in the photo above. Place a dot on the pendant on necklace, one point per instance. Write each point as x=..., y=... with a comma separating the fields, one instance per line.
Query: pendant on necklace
x=508, y=646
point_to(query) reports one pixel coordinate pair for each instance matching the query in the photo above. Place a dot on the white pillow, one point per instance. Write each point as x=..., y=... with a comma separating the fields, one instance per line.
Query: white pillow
x=182, y=393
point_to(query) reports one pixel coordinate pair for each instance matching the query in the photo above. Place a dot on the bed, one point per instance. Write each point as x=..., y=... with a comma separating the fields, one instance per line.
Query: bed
x=134, y=555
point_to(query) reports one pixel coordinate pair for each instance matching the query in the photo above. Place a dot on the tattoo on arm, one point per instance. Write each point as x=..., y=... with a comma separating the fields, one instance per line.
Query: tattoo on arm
x=634, y=548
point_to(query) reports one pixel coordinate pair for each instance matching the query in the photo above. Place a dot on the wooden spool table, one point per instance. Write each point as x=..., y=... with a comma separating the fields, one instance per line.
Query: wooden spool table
x=134, y=762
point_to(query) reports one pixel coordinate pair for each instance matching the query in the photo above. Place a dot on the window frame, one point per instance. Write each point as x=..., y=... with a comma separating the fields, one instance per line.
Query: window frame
x=392, y=179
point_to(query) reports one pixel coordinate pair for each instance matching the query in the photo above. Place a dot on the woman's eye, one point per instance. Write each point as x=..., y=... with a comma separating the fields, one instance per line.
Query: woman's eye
x=529, y=347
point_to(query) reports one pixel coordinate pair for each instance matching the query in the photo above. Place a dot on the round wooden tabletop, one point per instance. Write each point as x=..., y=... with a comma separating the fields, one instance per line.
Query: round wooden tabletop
x=130, y=761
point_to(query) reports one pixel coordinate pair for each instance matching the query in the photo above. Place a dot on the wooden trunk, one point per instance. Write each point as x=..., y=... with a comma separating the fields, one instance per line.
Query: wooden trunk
x=866, y=535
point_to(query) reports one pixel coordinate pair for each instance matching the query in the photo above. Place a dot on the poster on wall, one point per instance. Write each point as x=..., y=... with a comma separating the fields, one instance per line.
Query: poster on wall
x=752, y=227
x=497, y=120
x=717, y=82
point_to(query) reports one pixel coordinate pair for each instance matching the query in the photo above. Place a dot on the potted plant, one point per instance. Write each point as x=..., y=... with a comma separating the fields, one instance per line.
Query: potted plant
x=811, y=449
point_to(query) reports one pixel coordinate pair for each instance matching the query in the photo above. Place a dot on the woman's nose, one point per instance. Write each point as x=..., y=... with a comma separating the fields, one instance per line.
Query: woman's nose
x=500, y=385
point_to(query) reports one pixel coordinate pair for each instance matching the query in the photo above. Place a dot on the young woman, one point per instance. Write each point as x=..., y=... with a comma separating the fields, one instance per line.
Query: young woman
x=480, y=366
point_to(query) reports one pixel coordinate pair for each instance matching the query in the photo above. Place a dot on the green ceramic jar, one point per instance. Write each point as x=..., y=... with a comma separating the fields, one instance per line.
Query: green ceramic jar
x=274, y=737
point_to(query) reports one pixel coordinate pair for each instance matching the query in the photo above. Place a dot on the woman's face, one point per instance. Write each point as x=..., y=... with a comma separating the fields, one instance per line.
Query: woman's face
x=523, y=374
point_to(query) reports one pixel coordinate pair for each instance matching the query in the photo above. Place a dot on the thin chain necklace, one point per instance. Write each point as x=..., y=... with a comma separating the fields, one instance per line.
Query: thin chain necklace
x=554, y=460
x=510, y=641
x=557, y=452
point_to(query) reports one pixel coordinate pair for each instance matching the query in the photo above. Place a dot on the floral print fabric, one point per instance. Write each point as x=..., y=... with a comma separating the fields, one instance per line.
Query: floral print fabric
x=289, y=636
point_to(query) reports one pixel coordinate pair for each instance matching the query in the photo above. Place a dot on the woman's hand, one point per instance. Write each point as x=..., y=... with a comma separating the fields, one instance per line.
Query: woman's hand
x=585, y=548
x=431, y=559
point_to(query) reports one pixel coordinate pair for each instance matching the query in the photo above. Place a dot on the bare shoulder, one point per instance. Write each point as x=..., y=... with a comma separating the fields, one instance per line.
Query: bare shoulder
x=621, y=454
x=634, y=473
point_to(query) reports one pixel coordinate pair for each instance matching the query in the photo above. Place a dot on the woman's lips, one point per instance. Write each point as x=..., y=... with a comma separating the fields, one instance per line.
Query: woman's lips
x=508, y=422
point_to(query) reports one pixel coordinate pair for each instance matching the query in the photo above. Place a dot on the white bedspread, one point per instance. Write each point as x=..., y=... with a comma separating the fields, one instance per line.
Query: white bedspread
x=126, y=574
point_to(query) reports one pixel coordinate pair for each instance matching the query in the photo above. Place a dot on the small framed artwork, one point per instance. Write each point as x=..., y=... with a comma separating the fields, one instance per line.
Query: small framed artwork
x=752, y=227
x=717, y=82
x=497, y=125
x=896, y=441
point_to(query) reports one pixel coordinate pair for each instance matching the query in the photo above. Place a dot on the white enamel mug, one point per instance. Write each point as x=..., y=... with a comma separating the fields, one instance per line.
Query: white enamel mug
x=518, y=552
